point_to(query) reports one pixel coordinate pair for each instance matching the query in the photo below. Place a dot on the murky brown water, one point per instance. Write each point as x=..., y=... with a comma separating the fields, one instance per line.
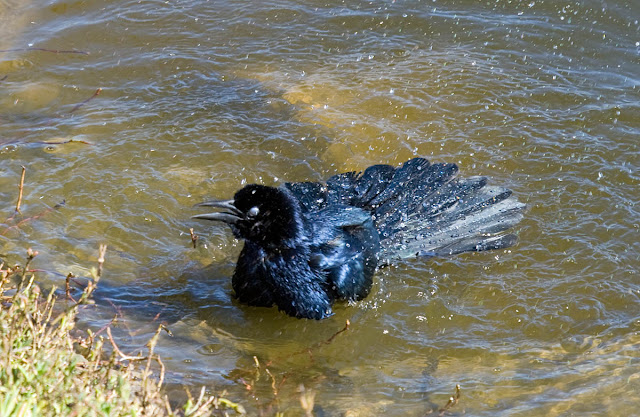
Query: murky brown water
x=200, y=97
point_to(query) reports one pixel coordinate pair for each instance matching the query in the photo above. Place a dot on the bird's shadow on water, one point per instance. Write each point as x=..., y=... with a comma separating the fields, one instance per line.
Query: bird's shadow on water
x=198, y=293
x=246, y=346
x=203, y=296
x=239, y=343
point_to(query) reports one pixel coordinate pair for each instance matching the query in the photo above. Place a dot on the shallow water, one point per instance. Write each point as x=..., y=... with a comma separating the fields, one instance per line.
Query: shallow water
x=201, y=97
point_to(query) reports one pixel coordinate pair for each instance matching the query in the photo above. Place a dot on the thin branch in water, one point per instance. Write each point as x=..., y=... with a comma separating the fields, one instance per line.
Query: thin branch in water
x=328, y=341
x=166, y=329
x=64, y=142
x=28, y=219
x=53, y=51
x=46, y=271
x=310, y=349
x=122, y=317
x=106, y=326
x=77, y=106
x=79, y=284
x=67, y=287
x=117, y=309
x=151, y=345
x=453, y=400
x=150, y=357
x=274, y=387
x=200, y=407
x=194, y=237
x=344, y=329
x=4, y=78
x=157, y=316
x=119, y=352
x=20, y=188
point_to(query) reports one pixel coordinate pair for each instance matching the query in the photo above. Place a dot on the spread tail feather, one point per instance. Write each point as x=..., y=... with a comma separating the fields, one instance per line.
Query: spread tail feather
x=422, y=209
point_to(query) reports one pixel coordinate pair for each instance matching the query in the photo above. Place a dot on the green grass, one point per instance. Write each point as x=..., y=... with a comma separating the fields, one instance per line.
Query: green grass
x=47, y=371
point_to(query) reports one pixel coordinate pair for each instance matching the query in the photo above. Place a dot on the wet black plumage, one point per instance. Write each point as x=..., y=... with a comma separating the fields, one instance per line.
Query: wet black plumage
x=308, y=244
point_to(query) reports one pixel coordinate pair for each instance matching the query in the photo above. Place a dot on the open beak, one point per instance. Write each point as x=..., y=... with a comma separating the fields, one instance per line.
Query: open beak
x=232, y=216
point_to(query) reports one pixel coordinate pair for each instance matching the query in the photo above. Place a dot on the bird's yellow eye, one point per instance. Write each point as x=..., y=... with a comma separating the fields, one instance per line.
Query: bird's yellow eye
x=253, y=212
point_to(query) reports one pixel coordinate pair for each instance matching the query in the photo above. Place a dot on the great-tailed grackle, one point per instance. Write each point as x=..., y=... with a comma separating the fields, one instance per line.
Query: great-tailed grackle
x=308, y=244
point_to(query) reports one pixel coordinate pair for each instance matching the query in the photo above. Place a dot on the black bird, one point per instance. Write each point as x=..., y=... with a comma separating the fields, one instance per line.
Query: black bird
x=308, y=244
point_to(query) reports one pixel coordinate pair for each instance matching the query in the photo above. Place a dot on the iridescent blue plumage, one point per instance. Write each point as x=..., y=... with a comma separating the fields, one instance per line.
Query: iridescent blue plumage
x=309, y=244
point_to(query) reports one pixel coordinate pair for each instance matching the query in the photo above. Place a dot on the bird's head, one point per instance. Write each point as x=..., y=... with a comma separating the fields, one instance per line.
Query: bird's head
x=265, y=215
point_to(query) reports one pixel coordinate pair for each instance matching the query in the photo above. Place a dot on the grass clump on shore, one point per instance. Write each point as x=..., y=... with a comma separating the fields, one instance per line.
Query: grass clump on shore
x=45, y=371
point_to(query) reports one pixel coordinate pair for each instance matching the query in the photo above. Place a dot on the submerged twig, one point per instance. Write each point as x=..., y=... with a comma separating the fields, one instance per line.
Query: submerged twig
x=19, y=202
x=54, y=51
x=4, y=78
x=344, y=329
x=148, y=358
x=307, y=397
x=64, y=142
x=310, y=349
x=157, y=316
x=37, y=216
x=453, y=400
x=124, y=319
x=77, y=106
x=274, y=387
x=122, y=355
x=105, y=327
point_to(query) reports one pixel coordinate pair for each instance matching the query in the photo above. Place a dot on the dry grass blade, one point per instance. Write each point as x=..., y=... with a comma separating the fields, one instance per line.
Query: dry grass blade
x=45, y=370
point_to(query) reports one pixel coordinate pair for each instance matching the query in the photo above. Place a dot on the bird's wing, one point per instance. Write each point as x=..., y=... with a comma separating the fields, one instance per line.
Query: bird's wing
x=345, y=246
x=420, y=208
